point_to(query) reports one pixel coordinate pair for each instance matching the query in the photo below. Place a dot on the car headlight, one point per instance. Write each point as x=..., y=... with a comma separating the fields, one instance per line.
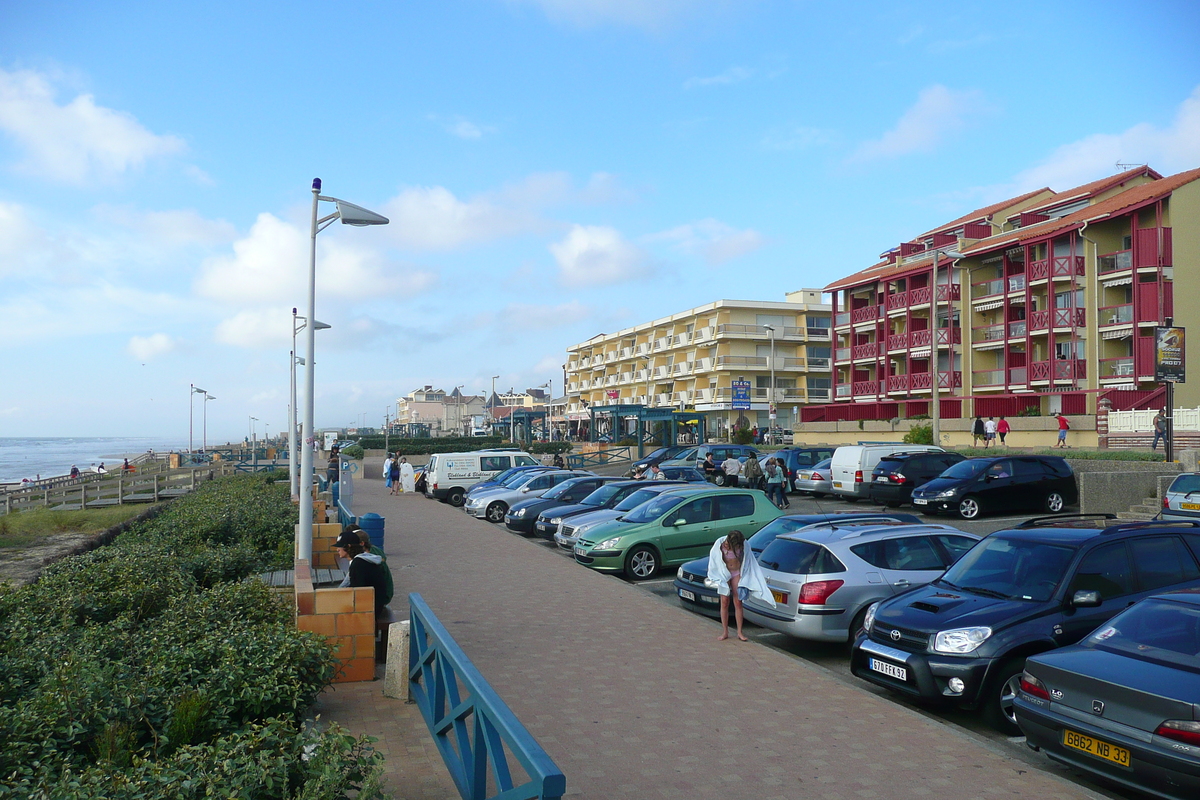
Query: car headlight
x=948, y=493
x=679, y=573
x=961, y=640
x=869, y=619
x=520, y=512
x=608, y=544
x=556, y=521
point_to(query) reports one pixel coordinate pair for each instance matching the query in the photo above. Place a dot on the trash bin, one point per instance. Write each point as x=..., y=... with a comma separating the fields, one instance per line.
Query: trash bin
x=372, y=523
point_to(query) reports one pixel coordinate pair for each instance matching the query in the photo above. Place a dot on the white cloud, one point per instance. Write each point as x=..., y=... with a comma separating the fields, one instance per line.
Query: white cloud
x=938, y=113
x=711, y=239
x=726, y=78
x=175, y=228
x=594, y=255
x=653, y=15
x=256, y=328
x=432, y=218
x=76, y=142
x=25, y=249
x=462, y=127
x=144, y=348
x=270, y=265
x=1171, y=149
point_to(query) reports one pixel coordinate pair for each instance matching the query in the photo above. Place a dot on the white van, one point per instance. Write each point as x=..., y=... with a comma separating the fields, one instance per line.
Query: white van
x=449, y=475
x=853, y=463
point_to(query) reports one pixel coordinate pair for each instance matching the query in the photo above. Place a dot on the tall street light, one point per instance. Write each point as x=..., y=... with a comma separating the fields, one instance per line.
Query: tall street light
x=492, y=403
x=771, y=402
x=191, y=395
x=298, y=324
x=349, y=214
x=204, y=435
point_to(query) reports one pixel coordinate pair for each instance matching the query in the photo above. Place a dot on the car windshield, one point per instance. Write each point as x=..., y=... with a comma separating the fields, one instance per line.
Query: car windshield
x=601, y=495
x=824, y=464
x=966, y=469
x=503, y=476
x=652, y=509
x=657, y=454
x=1154, y=630
x=636, y=499
x=559, y=491
x=1186, y=484
x=517, y=478
x=768, y=532
x=1010, y=569
x=799, y=558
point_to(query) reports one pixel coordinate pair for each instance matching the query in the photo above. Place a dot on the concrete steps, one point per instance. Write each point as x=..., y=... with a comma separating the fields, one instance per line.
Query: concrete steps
x=1146, y=510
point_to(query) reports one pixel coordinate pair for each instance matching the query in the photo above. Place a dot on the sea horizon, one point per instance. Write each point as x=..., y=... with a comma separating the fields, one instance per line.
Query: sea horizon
x=49, y=456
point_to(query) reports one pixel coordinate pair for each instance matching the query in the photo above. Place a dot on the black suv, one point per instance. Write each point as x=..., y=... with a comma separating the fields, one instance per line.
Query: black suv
x=1047, y=583
x=895, y=476
x=1008, y=483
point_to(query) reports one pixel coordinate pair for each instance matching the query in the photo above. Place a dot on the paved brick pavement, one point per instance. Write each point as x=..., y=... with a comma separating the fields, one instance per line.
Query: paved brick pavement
x=636, y=698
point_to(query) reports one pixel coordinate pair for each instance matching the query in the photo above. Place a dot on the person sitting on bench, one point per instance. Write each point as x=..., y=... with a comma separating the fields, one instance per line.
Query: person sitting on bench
x=366, y=569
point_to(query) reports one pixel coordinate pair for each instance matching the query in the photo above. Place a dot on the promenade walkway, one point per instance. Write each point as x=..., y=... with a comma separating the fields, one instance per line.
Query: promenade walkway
x=635, y=698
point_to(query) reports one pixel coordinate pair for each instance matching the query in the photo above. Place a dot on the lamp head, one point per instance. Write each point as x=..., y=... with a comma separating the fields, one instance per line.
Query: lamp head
x=358, y=216
x=321, y=326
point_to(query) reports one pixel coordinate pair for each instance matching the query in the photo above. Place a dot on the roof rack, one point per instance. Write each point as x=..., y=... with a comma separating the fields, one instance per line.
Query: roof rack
x=1134, y=525
x=1043, y=522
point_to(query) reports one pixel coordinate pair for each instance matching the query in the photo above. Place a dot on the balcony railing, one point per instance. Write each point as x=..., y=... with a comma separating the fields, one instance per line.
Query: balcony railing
x=1058, y=370
x=1116, y=315
x=1115, y=262
x=843, y=390
x=988, y=377
x=864, y=387
x=987, y=288
x=841, y=319
x=823, y=334
x=949, y=335
x=864, y=314
x=742, y=361
x=988, y=333
x=919, y=296
x=1018, y=376
x=948, y=291
x=1058, y=267
x=897, y=383
x=922, y=338
x=868, y=350
x=1016, y=283
x=818, y=395
x=1116, y=367
x=924, y=380
x=1058, y=318
x=897, y=300
x=897, y=341
x=1016, y=329
x=842, y=354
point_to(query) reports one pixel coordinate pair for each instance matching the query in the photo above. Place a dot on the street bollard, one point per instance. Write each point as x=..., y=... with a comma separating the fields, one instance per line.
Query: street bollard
x=395, y=674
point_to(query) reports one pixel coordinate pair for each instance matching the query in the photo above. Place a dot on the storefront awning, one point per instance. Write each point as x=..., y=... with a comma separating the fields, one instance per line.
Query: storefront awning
x=1124, y=333
x=1118, y=282
x=989, y=305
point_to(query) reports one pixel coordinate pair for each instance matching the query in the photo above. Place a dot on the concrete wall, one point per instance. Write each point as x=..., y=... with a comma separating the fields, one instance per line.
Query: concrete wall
x=1114, y=486
x=1026, y=432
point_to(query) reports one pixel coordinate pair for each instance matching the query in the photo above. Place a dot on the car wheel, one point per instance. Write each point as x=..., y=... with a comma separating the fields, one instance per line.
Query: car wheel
x=641, y=563
x=856, y=625
x=455, y=498
x=719, y=480
x=850, y=498
x=893, y=503
x=495, y=512
x=970, y=507
x=999, y=694
x=1055, y=502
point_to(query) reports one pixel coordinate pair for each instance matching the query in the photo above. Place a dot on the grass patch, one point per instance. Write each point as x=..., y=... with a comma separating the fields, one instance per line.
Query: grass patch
x=1070, y=452
x=22, y=528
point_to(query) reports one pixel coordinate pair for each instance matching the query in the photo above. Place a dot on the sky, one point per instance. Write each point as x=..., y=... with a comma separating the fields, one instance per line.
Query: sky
x=551, y=169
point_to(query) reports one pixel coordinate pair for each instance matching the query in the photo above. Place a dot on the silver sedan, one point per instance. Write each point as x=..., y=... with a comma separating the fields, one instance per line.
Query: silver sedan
x=492, y=504
x=814, y=480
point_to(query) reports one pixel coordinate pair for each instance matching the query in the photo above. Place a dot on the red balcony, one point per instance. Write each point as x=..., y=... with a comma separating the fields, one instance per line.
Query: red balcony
x=897, y=301
x=1061, y=318
x=897, y=341
x=924, y=380
x=948, y=291
x=1059, y=267
x=949, y=335
x=1061, y=370
x=864, y=387
x=868, y=350
x=898, y=383
x=919, y=296
x=864, y=314
x=921, y=338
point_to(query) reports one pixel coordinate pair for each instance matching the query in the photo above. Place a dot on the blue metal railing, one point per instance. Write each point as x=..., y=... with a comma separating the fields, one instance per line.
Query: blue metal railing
x=472, y=732
x=600, y=458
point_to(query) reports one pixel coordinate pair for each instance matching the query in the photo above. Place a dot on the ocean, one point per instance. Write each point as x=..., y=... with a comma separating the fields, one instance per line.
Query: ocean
x=28, y=457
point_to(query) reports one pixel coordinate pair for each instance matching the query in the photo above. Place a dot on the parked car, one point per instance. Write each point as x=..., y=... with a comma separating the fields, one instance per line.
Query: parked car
x=450, y=475
x=572, y=528
x=896, y=475
x=1007, y=483
x=797, y=460
x=694, y=595
x=824, y=577
x=694, y=457
x=419, y=479
x=852, y=464
x=521, y=515
x=659, y=455
x=816, y=481
x=1044, y=584
x=1121, y=704
x=506, y=476
x=685, y=474
x=1182, y=498
x=606, y=496
x=672, y=528
x=492, y=504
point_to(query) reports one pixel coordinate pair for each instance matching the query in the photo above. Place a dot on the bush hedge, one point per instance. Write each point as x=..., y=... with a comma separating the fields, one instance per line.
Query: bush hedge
x=447, y=444
x=151, y=669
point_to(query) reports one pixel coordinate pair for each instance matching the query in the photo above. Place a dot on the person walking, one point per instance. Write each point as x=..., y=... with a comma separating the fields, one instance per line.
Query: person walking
x=977, y=431
x=774, y=477
x=656, y=473
x=1160, y=429
x=1063, y=427
x=989, y=432
x=558, y=461
x=331, y=469
x=753, y=472
x=387, y=470
x=1002, y=428
x=394, y=475
x=735, y=574
x=731, y=466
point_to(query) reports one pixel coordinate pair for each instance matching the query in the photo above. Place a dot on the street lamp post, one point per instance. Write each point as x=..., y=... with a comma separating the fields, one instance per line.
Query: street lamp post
x=204, y=435
x=253, y=444
x=349, y=214
x=191, y=395
x=492, y=401
x=771, y=401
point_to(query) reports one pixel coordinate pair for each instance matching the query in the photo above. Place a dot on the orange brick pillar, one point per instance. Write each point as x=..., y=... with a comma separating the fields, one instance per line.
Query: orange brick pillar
x=344, y=616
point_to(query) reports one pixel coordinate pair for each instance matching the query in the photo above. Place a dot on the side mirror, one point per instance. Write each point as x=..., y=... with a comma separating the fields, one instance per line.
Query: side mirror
x=679, y=522
x=989, y=477
x=1086, y=599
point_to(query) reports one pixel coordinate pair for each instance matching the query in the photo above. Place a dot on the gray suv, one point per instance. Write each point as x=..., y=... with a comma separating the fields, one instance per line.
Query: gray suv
x=825, y=576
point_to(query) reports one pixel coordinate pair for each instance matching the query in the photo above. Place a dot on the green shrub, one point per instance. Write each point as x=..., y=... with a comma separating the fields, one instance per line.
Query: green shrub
x=919, y=434
x=353, y=451
x=743, y=436
x=1030, y=411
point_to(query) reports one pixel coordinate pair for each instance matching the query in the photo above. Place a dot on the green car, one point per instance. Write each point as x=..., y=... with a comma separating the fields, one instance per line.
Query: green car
x=673, y=528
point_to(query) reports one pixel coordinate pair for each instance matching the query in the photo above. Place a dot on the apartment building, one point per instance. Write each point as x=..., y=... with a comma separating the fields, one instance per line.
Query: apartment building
x=452, y=413
x=690, y=360
x=1047, y=301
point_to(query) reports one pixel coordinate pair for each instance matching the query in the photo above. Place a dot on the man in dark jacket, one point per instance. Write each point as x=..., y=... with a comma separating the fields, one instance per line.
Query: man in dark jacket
x=366, y=569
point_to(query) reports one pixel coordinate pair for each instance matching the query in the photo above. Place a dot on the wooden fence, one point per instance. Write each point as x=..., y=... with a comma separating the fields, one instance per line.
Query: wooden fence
x=148, y=483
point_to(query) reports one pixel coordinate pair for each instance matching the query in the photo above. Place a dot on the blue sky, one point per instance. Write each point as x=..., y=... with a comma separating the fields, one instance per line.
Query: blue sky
x=553, y=169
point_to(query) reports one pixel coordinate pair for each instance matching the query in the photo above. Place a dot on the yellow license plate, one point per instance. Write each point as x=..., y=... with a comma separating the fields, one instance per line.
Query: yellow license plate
x=1095, y=747
x=780, y=597
x=1190, y=506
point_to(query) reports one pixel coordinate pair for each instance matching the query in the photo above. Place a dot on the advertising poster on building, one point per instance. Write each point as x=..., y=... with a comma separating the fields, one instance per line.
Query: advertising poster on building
x=613, y=394
x=1168, y=355
x=741, y=394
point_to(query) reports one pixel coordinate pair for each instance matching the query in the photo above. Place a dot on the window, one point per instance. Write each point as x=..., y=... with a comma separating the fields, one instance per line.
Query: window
x=1106, y=570
x=691, y=513
x=493, y=463
x=544, y=482
x=734, y=506
x=777, y=321
x=1154, y=630
x=815, y=351
x=818, y=322
x=911, y=553
x=1186, y=483
x=799, y=558
x=1162, y=561
x=956, y=546
x=1028, y=468
x=1001, y=469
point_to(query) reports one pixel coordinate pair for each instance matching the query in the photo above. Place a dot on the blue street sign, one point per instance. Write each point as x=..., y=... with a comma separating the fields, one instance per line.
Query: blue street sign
x=741, y=394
